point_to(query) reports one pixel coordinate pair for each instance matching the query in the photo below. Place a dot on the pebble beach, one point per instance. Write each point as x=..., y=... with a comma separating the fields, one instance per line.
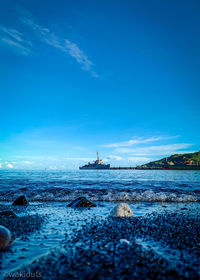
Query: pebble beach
x=160, y=240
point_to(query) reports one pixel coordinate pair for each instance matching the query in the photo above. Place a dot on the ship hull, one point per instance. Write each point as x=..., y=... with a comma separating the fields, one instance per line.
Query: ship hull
x=95, y=168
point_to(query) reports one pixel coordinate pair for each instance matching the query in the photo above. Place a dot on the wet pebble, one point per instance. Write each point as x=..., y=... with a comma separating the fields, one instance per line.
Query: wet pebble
x=6, y=237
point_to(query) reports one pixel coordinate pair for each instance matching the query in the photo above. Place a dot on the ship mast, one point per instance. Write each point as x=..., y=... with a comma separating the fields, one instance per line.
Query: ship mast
x=98, y=156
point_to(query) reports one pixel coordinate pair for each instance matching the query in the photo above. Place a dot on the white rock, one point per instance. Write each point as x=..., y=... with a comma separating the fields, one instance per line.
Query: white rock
x=6, y=237
x=121, y=210
x=124, y=241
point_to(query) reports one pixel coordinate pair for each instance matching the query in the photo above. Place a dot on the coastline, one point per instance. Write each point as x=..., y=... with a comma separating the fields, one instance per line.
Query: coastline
x=54, y=241
x=161, y=240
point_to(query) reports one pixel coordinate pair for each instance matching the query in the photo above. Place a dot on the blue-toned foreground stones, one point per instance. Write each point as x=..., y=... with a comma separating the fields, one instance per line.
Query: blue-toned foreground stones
x=6, y=237
x=81, y=202
x=8, y=214
x=21, y=200
x=121, y=210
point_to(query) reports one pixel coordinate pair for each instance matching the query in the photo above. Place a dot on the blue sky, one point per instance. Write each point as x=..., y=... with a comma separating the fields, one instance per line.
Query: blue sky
x=120, y=77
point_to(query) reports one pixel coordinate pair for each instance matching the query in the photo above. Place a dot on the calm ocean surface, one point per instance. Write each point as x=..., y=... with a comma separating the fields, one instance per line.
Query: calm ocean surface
x=107, y=185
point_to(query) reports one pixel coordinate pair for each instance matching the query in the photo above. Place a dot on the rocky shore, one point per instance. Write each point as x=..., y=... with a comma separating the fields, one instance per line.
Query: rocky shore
x=158, y=245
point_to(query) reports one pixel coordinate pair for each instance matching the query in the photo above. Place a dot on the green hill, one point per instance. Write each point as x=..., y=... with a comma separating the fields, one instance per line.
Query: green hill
x=177, y=159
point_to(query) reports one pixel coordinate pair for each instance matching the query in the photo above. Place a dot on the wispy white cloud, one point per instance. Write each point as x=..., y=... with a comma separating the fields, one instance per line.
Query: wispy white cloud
x=113, y=157
x=22, y=49
x=131, y=159
x=26, y=162
x=78, y=54
x=71, y=49
x=13, y=33
x=136, y=140
x=138, y=160
x=10, y=165
x=61, y=43
x=28, y=20
x=54, y=167
x=154, y=150
x=127, y=160
x=15, y=39
x=61, y=163
x=20, y=42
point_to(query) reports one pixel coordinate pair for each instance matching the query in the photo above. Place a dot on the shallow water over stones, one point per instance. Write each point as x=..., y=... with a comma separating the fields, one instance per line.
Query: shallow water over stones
x=62, y=229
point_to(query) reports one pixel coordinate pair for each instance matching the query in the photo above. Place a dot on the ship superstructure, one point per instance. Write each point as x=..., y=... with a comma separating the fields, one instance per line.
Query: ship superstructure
x=97, y=164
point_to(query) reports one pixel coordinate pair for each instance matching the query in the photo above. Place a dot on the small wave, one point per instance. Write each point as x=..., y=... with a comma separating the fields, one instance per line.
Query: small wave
x=114, y=195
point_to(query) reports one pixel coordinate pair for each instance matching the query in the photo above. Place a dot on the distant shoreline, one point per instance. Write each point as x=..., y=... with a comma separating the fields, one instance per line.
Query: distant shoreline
x=156, y=168
x=147, y=168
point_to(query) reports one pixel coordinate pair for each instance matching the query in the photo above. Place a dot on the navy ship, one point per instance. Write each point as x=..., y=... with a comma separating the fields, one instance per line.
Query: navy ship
x=97, y=164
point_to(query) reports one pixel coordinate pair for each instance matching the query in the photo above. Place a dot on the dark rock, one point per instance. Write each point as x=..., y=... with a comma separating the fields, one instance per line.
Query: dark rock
x=6, y=237
x=81, y=202
x=8, y=213
x=21, y=200
x=23, y=189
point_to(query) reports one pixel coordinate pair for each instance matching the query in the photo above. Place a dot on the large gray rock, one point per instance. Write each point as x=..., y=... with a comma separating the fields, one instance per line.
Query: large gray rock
x=81, y=202
x=21, y=200
x=121, y=210
x=6, y=237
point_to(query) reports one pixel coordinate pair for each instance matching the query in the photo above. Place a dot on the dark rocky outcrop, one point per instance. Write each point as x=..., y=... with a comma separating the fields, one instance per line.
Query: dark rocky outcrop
x=8, y=214
x=81, y=202
x=21, y=200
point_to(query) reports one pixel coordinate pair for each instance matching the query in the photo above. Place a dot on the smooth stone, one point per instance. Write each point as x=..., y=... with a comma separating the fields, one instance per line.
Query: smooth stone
x=23, y=189
x=124, y=241
x=6, y=237
x=21, y=200
x=121, y=210
x=8, y=213
x=81, y=202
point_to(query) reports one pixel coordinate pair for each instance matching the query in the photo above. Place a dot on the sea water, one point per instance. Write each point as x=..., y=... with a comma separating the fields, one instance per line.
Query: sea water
x=102, y=185
x=49, y=193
